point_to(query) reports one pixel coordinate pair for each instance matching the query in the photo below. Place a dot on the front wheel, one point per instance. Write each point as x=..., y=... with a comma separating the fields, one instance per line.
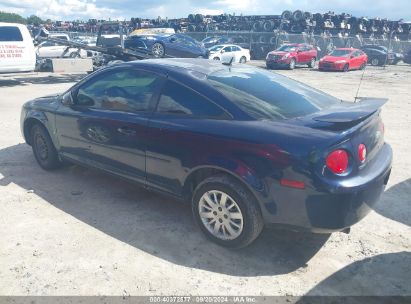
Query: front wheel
x=346, y=68
x=291, y=65
x=158, y=50
x=362, y=67
x=243, y=59
x=216, y=58
x=43, y=148
x=226, y=212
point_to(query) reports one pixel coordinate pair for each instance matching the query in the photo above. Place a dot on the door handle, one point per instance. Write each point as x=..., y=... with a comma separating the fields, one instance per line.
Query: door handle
x=126, y=131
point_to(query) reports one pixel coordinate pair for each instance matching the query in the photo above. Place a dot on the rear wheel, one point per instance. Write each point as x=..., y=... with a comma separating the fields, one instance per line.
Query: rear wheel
x=312, y=63
x=216, y=58
x=243, y=59
x=43, y=148
x=158, y=50
x=346, y=68
x=375, y=62
x=226, y=211
x=291, y=65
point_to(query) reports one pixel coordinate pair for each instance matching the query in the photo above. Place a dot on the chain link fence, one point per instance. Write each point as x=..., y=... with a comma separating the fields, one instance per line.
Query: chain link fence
x=260, y=43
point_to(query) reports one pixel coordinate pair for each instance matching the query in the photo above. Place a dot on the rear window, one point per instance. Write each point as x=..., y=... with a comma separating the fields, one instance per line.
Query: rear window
x=265, y=95
x=10, y=33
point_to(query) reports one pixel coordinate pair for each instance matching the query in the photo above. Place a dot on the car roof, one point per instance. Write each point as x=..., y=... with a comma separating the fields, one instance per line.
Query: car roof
x=224, y=45
x=203, y=66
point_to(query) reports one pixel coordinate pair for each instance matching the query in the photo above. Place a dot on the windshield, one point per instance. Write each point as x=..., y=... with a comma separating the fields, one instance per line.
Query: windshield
x=209, y=39
x=340, y=53
x=216, y=48
x=265, y=95
x=287, y=48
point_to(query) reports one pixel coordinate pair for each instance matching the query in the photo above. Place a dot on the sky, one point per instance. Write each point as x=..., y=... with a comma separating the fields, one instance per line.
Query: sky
x=125, y=9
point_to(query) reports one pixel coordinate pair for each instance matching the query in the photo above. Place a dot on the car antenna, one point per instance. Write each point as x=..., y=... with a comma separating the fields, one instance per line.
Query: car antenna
x=359, y=85
x=230, y=63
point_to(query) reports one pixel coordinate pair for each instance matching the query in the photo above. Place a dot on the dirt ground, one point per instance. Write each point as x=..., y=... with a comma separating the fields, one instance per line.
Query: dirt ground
x=79, y=232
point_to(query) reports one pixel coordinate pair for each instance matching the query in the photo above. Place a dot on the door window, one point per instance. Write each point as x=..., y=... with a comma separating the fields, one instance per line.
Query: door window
x=121, y=90
x=180, y=100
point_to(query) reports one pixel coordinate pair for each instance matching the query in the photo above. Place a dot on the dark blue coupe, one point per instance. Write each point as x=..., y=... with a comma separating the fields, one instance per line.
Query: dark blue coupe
x=167, y=45
x=246, y=146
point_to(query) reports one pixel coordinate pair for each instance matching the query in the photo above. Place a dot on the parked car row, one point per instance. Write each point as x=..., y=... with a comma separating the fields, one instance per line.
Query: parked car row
x=341, y=59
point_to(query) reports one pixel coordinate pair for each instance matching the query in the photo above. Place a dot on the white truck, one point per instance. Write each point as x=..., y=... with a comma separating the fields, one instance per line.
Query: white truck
x=16, y=48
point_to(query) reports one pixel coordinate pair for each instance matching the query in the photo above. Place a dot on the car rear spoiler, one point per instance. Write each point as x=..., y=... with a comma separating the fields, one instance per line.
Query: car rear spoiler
x=351, y=113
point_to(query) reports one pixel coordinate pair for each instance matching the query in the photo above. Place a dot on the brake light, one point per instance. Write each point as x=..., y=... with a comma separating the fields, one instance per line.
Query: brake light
x=362, y=152
x=337, y=161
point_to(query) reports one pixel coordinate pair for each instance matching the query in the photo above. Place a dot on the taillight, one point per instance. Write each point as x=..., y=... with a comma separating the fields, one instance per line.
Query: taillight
x=362, y=152
x=337, y=161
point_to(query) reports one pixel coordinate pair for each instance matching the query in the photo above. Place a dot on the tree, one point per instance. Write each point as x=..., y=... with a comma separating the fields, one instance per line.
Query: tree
x=11, y=17
x=33, y=19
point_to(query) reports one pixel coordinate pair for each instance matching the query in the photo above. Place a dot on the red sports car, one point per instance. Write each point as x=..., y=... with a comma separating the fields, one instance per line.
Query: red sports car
x=343, y=59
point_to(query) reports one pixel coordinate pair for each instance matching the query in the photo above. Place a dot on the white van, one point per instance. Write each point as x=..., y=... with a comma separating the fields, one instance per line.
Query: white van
x=16, y=48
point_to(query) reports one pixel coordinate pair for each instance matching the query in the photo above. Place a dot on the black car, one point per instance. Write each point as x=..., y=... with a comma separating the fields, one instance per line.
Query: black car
x=379, y=55
x=167, y=45
x=407, y=57
x=245, y=146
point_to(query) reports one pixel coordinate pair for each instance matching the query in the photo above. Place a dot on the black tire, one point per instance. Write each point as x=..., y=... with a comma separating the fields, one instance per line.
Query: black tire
x=311, y=64
x=346, y=68
x=291, y=65
x=243, y=59
x=375, y=62
x=362, y=67
x=216, y=58
x=74, y=55
x=252, y=219
x=158, y=50
x=43, y=148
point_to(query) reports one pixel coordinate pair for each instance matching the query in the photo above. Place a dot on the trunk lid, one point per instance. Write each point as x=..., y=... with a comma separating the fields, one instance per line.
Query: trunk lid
x=357, y=123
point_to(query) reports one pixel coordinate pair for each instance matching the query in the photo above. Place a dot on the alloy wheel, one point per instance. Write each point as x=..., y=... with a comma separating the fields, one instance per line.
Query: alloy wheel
x=221, y=215
x=158, y=50
x=41, y=147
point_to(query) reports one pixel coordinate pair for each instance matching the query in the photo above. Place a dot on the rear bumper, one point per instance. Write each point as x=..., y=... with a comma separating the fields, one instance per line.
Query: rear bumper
x=344, y=203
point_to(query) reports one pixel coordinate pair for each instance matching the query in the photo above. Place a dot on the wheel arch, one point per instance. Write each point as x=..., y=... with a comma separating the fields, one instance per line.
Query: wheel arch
x=243, y=175
x=29, y=122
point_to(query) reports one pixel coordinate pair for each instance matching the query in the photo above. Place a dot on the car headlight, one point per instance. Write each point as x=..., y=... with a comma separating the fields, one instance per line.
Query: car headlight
x=340, y=61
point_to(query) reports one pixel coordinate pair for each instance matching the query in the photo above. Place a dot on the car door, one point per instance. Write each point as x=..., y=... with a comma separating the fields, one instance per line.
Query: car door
x=304, y=55
x=356, y=60
x=106, y=126
x=178, y=135
x=227, y=54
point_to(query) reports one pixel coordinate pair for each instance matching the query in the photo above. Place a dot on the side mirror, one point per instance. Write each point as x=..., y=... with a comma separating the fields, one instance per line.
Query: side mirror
x=352, y=56
x=299, y=51
x=67, y=99
x=84, y=100
x=222, y=51
x=173, y=39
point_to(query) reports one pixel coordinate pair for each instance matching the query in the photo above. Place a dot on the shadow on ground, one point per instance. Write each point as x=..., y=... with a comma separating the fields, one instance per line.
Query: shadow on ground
x=38, y=78
x=151, y=222
x=381, y=275
x=395, y=203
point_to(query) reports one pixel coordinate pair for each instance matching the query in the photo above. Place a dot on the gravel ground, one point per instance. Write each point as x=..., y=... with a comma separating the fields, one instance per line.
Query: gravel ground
x=79, y=232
